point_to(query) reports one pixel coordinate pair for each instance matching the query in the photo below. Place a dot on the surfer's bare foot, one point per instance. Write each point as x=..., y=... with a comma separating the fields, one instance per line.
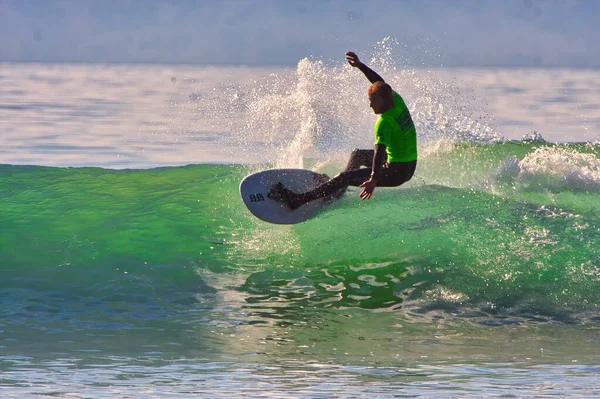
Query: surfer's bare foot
x=282, y=195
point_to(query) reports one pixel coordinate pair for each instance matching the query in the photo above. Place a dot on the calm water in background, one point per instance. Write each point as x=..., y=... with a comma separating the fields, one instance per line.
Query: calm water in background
x=143, y=278
x=145, y=116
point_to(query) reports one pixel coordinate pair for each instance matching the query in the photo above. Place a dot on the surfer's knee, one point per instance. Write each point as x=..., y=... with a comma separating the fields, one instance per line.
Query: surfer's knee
x=340, y=175
x=342, y=179
x=358, y=153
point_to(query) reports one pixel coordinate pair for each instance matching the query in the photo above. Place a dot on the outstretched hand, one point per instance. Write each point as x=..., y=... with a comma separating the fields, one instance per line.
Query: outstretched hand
x=368, y=188
x=352, y=59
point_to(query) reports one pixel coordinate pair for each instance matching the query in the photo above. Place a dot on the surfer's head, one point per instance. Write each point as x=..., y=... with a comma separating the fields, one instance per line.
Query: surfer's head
x=380, y=97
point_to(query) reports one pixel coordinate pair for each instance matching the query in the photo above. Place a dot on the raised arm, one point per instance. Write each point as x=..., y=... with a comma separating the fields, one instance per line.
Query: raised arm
x=353, y=60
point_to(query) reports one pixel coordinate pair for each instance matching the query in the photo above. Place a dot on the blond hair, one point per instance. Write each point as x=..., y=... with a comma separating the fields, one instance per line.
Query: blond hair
x=383, y=90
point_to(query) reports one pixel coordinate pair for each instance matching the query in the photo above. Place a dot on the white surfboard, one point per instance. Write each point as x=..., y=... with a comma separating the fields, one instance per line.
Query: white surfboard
x=255, y=188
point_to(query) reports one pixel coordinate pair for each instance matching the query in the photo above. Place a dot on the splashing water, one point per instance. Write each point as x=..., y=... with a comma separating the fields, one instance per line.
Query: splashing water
x=320, y=111
x=142, y=278
x=554, y=168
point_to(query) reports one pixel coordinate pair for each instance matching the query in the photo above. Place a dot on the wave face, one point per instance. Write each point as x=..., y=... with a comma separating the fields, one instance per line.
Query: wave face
x=505, y=228
x=156, y=278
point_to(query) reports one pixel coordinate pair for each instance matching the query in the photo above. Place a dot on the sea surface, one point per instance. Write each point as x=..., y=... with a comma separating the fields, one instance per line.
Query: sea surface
x=130, y=267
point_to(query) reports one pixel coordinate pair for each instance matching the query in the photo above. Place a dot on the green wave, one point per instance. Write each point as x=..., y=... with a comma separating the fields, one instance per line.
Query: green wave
x=462, y=235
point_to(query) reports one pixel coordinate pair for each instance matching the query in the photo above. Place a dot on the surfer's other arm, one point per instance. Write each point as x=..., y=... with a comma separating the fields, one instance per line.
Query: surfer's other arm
x=353, y=60
x=378, y=160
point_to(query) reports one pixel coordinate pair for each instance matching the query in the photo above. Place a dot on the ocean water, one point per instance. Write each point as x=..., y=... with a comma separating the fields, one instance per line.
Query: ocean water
x=131, y=268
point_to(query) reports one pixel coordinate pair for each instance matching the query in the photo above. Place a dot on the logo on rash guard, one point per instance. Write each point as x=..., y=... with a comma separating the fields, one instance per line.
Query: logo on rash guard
x=405, y=121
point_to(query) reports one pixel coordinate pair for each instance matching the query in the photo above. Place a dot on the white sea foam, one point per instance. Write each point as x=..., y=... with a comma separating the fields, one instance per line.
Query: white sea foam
x=554, y=168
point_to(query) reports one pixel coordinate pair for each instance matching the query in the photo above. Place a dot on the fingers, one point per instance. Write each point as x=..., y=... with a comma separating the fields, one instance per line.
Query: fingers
x=352, y=58
x=367, y=192
x=364, y=195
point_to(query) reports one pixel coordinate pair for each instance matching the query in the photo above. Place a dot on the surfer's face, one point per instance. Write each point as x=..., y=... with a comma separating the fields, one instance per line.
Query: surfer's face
x=376, y=103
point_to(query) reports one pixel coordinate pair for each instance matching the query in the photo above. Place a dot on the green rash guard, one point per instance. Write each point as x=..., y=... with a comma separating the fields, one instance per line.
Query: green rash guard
x=395, y=129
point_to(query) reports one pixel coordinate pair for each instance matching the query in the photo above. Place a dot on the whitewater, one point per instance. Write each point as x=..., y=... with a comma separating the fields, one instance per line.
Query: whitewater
x=131, y=268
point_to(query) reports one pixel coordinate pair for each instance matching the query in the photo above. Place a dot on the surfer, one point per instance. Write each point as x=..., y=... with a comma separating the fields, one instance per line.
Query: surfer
x=390, y=164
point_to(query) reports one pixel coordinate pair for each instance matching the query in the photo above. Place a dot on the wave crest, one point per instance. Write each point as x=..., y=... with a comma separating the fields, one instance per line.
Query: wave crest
x=554, y=168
